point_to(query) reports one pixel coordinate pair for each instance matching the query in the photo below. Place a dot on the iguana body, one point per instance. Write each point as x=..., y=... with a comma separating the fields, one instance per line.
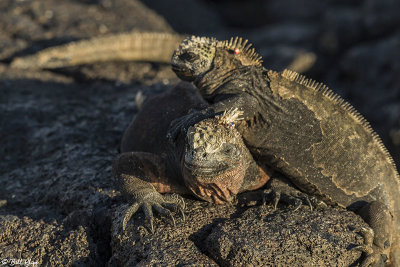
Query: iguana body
x=137, y=46
x=211, y=162
x=300, y=128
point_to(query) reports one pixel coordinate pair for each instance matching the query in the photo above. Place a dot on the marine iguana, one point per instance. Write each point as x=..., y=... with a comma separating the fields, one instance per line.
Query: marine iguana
x=210, y=161
x=138, y=46
x=303, y=130
x=130, y=46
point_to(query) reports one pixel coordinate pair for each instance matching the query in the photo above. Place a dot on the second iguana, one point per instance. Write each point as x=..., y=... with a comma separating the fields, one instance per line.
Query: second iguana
x=301, y=129
x=210, y=162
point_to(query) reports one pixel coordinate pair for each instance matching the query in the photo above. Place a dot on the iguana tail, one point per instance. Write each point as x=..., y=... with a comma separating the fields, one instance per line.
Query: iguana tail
x=137, y=46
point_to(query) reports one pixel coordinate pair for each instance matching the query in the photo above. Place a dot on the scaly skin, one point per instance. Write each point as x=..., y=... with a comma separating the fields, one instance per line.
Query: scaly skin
x=137, y=46
x=210, y=161
x=301, y=129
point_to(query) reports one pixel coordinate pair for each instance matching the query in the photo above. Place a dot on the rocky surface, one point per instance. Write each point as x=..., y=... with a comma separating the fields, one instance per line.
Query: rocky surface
x=286, y=237
x=60, y=130
x=40, y=242
x=240, y=236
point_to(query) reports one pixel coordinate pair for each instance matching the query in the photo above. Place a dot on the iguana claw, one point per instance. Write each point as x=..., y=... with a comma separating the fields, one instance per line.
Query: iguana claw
x=162, y=204
x=372, y=258
x=281, y=190
x=128, y=214
x=296, y=200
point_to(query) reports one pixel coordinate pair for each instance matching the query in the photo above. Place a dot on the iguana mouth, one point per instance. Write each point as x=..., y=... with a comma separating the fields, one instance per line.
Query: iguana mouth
x=182, y=72
x=218, y=188
x=209, y=170
x=180, y=69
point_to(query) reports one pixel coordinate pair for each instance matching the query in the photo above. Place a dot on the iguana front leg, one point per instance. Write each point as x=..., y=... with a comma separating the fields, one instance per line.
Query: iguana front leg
x=377, y=239
x=141, y=177
x=280, y=189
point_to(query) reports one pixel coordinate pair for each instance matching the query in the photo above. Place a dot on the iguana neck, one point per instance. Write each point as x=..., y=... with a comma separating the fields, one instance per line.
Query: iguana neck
x=230, y=77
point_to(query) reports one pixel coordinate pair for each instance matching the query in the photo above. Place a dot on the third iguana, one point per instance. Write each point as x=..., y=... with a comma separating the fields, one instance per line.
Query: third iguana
x=303, y=130
x=210, y=161
x=129, y=46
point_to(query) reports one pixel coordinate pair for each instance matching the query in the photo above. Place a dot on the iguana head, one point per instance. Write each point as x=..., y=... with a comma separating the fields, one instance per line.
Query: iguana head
x=215, y=159
x=195, y=56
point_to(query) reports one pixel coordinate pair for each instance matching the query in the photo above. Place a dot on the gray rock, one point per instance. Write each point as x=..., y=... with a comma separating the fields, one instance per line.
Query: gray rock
x=168, y=245
x=46, y=244
x=237, y=236
x=285, y=237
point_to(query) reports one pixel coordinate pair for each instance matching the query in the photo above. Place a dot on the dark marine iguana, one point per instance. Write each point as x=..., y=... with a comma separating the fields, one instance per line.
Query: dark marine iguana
x=301, y=129
x=210, y=161
x=137, y=46
x=130, y=46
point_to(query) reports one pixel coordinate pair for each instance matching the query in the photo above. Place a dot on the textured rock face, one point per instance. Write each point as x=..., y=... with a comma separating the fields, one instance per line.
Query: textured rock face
x=168, y=245
x=40, y=242
x=59, y=132
x=231, y=236
x=301, y=238
x=58, y=137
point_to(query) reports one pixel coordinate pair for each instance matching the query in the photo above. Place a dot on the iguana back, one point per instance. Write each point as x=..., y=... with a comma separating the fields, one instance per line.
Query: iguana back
x=345, y=161
x=348, y=159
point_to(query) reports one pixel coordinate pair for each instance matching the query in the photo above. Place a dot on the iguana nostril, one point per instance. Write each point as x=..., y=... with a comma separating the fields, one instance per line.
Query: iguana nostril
x=189, y=56
x=196, y=136
x=386, y=244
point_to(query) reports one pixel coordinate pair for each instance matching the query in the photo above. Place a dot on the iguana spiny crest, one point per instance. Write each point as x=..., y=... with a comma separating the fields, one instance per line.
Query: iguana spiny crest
x=195, y=55
x=207, y=134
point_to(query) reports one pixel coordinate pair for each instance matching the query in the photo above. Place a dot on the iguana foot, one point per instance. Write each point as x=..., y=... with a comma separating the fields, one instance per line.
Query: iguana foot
x=279, y=189
x=378, y=236
x=162, y=204
x=372, y=256
x=372, y=259
x=141, y=177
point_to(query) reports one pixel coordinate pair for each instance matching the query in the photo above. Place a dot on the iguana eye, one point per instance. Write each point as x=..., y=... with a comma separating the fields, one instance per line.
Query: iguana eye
x=236, y=51
x=189, y=56
x=228, y=149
